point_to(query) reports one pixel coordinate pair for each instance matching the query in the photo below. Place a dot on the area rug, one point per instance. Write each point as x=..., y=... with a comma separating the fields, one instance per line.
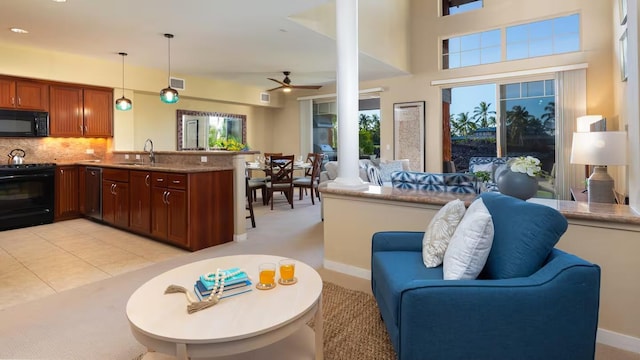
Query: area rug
x=352, y=325
x=353, y=328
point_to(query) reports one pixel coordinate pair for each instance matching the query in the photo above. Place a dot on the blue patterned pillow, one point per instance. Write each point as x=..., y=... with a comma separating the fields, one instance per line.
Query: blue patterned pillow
x=374, y=175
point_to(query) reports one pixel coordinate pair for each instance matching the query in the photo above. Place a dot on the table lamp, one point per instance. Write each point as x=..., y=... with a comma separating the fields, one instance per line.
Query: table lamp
x=600, y=148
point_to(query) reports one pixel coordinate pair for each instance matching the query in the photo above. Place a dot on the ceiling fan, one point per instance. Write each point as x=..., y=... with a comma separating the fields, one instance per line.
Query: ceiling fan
x=285, y=84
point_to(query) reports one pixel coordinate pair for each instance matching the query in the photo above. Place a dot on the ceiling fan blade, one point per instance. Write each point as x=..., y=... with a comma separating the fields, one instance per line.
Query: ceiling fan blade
x=276, y=88
x=278, y=81
x=314, y=87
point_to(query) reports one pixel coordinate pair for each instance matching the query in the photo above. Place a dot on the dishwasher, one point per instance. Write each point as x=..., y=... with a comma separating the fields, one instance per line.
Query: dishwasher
x=93, y=192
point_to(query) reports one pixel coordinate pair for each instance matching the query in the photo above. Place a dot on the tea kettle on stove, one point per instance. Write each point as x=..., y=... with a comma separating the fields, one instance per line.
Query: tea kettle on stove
x=16, y=156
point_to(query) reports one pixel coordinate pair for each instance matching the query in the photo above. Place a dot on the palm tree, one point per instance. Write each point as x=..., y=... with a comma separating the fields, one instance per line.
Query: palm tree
x=483, y=116
x=463, y=125
x=518, y=119
x=549, y=117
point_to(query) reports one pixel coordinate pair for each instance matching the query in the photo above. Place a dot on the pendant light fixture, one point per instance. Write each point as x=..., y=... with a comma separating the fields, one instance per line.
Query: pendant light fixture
x=123, y=103
x=169, y=95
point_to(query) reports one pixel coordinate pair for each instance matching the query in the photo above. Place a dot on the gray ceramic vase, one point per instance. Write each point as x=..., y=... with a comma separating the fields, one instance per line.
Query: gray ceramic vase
x=516, y=184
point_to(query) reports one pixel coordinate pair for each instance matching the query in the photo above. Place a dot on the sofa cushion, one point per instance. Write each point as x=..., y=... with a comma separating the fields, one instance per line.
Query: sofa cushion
x=386, y=168
x=439, y=232
x=538, y=227
x=469, y=247
x=394, y=271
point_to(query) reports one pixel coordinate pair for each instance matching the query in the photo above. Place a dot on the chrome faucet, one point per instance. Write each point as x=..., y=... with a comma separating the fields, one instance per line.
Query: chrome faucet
x=152, y=156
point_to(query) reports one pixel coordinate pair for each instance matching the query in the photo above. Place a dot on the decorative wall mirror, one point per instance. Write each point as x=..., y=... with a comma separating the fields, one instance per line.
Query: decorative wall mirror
x=198, y=130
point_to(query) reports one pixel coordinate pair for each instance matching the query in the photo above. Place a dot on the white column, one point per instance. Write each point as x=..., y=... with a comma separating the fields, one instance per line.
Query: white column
x=347, y=76
x=239, y=194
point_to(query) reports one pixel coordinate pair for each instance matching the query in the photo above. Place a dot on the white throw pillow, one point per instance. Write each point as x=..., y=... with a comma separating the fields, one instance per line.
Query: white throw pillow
x=439, y=232
x=387, y=168
x=470, y=245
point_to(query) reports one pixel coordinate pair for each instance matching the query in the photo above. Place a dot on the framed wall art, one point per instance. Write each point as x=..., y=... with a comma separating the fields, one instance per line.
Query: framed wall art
x=408, y=133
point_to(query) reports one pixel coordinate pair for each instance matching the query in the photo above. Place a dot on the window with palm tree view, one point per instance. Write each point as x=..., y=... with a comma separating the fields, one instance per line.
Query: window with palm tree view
x=522, y=124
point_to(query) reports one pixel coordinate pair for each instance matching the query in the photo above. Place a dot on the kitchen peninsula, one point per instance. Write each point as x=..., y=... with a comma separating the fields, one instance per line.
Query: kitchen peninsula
x=191, y=199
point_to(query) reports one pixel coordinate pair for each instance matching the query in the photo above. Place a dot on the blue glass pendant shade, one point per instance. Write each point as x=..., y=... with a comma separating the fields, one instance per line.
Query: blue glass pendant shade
x=123, y=104
x=169, y=95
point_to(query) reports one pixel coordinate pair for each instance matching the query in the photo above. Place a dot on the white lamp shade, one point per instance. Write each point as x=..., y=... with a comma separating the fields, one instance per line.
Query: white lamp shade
x=599, y=148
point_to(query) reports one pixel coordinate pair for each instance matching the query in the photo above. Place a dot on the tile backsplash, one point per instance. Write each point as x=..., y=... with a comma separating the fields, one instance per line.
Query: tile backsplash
x=56, y=150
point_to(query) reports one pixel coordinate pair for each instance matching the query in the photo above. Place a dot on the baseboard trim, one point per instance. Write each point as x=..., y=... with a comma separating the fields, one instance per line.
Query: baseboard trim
x=240, y=237
x=347, y=269
x=619, y=341
x=603, y=336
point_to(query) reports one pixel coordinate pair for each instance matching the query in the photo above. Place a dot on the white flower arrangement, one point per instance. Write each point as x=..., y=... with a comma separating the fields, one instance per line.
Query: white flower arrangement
x=527, y=165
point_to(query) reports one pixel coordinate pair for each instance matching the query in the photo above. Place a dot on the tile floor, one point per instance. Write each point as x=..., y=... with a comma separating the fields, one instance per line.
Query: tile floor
x=35, y=262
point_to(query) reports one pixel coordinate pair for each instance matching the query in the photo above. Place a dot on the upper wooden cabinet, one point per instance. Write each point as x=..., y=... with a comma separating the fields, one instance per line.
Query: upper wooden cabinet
x=23, y=94
x=77, y=111
x=98, y=112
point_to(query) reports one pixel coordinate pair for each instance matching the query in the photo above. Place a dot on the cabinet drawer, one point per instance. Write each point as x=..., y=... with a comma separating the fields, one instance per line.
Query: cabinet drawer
x=177, y=181
x=169, y=180
x=115, y=175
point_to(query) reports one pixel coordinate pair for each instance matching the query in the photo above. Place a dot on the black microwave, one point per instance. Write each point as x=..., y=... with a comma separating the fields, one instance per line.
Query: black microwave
x=20, y=123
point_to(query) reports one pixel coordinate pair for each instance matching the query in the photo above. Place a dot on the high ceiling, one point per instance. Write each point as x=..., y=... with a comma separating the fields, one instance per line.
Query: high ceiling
x=243, y=41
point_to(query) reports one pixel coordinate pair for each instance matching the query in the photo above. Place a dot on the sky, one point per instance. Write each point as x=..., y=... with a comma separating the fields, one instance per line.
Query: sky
x=465, y=99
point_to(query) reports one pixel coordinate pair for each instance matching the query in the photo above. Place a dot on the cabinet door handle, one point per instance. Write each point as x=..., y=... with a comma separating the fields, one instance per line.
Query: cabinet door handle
x=168, y=193
x=19, y=101
x=61, y=171
x=176, y=181
x=13, y=101
x=146, y=180
x=159, y=180
x=113, y=189
x=86, y=128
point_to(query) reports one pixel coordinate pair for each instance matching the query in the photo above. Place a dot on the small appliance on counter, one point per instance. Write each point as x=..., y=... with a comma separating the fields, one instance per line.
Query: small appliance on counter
x=16, y=157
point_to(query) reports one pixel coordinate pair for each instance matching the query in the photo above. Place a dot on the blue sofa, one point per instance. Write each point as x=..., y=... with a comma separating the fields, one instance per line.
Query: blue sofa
x=531, y=300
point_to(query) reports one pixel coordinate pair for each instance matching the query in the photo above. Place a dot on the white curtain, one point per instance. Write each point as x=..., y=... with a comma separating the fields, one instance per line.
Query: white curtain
x=305, y=108
x=571, y=102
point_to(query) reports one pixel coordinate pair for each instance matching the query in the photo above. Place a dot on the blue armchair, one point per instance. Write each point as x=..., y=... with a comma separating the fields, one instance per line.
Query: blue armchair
x=549, y=311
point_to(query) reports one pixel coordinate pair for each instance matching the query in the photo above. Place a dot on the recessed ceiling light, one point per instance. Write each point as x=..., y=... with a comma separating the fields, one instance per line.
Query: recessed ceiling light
x=59, y=0
x=19, y=31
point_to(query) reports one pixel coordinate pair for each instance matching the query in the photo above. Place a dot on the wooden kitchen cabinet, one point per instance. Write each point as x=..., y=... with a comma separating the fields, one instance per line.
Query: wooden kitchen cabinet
x=66, y=193
x=65, y=111
x=115, y=197
x=169, y=204
x=23, y=94
x=140, y=202
x=98, y=112
x=76, y=111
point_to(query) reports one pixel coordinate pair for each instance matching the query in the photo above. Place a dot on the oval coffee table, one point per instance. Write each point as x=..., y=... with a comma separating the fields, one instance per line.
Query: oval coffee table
x=247, y=326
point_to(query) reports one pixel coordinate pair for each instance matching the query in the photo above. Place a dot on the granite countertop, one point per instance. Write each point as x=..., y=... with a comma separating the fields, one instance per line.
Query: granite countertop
x=611, y=213
x=133, y=165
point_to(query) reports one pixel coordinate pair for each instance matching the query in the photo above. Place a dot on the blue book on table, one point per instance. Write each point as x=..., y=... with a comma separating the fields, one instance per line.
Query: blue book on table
x=226, y=293
x=238, y=278
x=206, y=291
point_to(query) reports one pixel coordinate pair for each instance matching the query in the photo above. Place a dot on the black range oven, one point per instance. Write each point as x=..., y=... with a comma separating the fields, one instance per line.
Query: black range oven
x=26, y=195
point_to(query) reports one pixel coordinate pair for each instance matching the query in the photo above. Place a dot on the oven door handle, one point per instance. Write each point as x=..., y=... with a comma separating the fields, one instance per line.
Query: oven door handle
x=29, y=176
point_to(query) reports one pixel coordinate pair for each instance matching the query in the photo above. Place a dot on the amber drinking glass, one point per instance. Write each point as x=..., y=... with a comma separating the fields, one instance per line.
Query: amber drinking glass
x=287, y=272
x=267, y=275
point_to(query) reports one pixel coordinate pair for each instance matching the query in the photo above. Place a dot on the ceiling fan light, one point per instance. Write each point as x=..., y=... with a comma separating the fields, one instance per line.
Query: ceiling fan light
x=123, y=104
x=169, y=95
x=287, y=90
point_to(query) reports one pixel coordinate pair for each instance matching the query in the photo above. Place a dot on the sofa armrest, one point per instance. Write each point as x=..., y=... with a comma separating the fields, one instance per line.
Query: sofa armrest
x=557, y=306
x=397, y=241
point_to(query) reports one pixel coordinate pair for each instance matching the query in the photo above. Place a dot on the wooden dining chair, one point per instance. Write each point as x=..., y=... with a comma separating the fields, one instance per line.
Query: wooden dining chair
x=281, y=169
x=311, y=181
x=249, y=202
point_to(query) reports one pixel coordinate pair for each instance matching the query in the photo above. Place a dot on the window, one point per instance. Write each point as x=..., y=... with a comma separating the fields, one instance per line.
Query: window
x=547, y=37
x=452, y=7
x=472, y=49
